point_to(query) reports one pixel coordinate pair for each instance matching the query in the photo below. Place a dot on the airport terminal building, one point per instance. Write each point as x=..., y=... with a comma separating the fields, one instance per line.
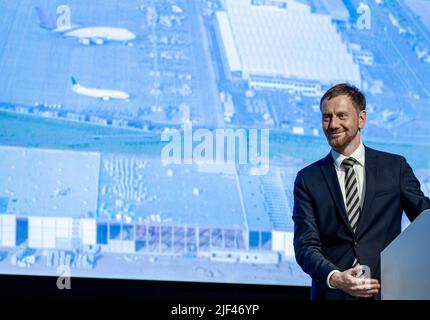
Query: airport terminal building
x=283, y=45
x=83, y=205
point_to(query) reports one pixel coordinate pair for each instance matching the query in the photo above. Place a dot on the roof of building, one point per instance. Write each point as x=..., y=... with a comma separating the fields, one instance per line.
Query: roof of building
x=39, y=182
x=284, y=43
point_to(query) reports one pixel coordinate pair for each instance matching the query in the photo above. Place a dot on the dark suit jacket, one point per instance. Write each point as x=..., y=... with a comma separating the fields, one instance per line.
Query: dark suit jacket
x=323, y=238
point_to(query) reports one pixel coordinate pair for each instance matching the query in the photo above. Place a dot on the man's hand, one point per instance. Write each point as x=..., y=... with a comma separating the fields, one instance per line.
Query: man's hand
x=351, y=282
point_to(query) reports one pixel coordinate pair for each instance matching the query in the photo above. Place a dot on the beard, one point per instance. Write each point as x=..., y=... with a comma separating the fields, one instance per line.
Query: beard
x=341, y=141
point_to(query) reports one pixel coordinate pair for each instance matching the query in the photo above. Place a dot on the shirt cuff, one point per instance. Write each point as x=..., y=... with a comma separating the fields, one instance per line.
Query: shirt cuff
x=328, y=279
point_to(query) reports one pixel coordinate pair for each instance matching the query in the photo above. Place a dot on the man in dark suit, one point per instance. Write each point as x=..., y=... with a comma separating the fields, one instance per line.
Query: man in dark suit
x=348, y=206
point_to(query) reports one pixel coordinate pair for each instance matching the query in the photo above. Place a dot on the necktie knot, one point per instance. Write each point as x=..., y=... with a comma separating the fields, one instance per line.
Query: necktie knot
x=348, y=163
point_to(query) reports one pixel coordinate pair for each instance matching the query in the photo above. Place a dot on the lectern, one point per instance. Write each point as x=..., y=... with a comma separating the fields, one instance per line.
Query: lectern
x=405, y=263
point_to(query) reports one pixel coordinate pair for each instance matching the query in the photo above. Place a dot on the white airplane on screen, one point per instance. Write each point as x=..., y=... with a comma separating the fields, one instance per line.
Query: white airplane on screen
x=104, y=94
x=86, y=35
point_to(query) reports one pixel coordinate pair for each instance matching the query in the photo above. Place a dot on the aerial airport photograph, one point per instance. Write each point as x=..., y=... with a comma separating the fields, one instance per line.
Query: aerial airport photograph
x=93, y=92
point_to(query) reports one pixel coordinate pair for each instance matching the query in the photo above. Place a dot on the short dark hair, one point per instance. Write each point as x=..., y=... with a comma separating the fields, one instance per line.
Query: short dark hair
x=357, y=97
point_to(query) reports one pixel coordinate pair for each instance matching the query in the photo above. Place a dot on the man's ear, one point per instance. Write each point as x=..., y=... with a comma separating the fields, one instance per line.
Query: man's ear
x=362, y=115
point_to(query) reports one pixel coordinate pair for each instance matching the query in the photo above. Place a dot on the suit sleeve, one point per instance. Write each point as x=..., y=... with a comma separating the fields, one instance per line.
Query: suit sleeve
x=307, y=242
x=413, y=199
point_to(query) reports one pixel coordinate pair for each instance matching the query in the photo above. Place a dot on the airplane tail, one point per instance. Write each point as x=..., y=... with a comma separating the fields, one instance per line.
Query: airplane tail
x=44, y=20
x=74, y=82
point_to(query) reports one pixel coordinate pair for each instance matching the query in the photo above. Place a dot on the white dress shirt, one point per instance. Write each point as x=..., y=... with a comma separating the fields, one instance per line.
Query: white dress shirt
x=359, y=169
x=359, y=156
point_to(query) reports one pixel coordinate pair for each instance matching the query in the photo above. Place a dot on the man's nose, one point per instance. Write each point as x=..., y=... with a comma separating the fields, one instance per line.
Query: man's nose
x=333, y=124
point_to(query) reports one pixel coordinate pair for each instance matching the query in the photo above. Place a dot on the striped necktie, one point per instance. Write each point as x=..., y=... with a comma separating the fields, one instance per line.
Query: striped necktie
x=351, y=195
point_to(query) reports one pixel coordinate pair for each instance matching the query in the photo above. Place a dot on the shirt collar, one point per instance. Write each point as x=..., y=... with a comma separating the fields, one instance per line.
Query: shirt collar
x=358, y=155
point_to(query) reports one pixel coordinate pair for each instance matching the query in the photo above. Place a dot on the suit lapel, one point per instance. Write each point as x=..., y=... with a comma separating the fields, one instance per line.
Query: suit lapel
x=371, y=180
x=329, y=173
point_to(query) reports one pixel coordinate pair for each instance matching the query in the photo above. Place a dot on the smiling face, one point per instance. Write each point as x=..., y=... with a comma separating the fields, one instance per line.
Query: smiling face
x=341, y=123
